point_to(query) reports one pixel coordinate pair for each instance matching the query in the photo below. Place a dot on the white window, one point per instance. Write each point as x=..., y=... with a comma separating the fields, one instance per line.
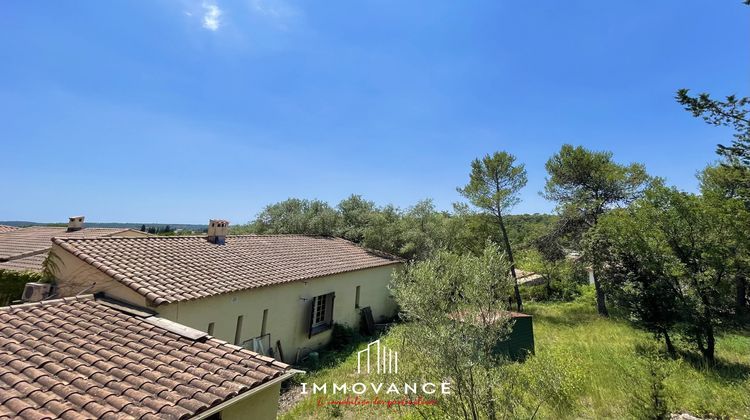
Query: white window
x=321, y=313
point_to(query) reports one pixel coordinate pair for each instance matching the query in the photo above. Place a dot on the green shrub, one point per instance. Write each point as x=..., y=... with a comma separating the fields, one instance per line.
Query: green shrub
x=536, y=293
x=342, y=337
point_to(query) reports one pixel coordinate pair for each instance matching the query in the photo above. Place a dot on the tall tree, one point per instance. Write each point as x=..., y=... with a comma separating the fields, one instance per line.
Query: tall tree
x=637, y=266
x=494, y=184
x=586, y=184
x=731, y=112
x=671, y=257
x=726, y=183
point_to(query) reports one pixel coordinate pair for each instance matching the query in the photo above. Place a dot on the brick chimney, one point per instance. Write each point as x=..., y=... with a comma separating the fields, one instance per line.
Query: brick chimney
x=75, y=223
x=217, y=231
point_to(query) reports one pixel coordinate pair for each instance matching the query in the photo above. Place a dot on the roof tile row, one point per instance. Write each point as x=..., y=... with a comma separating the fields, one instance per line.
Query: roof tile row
x=171, y=269
x=79, y=358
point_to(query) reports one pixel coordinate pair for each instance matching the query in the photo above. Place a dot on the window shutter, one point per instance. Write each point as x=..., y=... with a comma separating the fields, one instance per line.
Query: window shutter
x=329, y=308
x=311, y=312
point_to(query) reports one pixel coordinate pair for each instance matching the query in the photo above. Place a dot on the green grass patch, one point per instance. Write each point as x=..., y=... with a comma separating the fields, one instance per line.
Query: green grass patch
x=605, y=372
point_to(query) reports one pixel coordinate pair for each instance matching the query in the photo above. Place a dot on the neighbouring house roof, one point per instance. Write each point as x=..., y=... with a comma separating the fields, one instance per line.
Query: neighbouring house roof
x=87, y=357
x=36, y=241
x=172, y=269
x=529, y=278
x=31, y=263
x=6, y=228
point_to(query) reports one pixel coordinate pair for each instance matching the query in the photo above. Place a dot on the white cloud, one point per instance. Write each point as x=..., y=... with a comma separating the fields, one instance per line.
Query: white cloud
x=211, y=17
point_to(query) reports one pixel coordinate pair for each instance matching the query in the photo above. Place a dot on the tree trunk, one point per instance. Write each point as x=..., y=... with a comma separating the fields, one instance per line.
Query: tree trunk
x=670, y=347
x=517, y=292
x=741, y=301
x=710, y=345
x=601, y=304
x=708, y=350
x=707, y=328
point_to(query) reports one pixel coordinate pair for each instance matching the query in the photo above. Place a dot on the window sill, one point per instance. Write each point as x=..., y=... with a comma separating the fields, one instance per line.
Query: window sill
x=320, y=328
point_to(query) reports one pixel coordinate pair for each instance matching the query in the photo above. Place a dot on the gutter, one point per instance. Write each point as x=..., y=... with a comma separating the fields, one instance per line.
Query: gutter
x=235, y=400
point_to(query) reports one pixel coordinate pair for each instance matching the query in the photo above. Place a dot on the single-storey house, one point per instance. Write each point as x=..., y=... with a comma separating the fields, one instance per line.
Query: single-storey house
x=93, y=357
x=276, y=294
x=25, y=249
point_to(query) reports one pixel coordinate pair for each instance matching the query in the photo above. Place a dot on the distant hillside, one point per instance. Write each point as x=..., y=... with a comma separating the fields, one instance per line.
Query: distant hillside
x=136, y=226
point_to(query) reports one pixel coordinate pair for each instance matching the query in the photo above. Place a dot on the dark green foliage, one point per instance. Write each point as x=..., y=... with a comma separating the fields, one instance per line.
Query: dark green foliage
x=735, y=113
x=524, y=229
x=671, y=261
x=342, y=337
x=414, y=233
x=12, y=284
x=356, y=214
x=732, y=112
x=165, y=230
x=296, y=216
x=586, y=184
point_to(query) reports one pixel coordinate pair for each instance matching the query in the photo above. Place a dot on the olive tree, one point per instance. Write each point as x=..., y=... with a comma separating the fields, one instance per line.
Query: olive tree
x=452, y=303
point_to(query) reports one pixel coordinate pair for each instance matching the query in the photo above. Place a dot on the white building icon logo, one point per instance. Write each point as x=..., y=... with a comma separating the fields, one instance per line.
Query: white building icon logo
x=382, y=361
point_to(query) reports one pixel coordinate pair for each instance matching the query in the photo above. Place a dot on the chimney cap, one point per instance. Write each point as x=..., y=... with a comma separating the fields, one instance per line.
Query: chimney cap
x=217, y=231
x=75, y=223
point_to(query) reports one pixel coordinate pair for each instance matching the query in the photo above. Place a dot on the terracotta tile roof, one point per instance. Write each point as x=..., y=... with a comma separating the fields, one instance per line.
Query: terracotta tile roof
x=85, y=358
x=178, y=268
x=6, y=228
x=32, y=263
x=529, y=278
x=25, y=242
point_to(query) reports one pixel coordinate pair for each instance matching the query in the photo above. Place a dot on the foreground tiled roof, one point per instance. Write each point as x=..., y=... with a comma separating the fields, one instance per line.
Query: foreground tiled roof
x=85, y=358
x=171, y=269
x=25, y=242
x=6, y=228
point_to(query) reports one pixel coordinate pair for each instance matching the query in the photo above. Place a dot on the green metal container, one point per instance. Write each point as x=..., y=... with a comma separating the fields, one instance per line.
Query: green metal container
x=520, y=343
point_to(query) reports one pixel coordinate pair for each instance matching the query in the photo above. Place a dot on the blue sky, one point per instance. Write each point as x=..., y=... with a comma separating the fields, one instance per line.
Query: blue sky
x=180, y=111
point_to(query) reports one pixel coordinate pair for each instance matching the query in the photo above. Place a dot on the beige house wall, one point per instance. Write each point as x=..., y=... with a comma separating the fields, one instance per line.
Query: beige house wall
x=261, y=406
x=288, y=309
x=288, y=304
